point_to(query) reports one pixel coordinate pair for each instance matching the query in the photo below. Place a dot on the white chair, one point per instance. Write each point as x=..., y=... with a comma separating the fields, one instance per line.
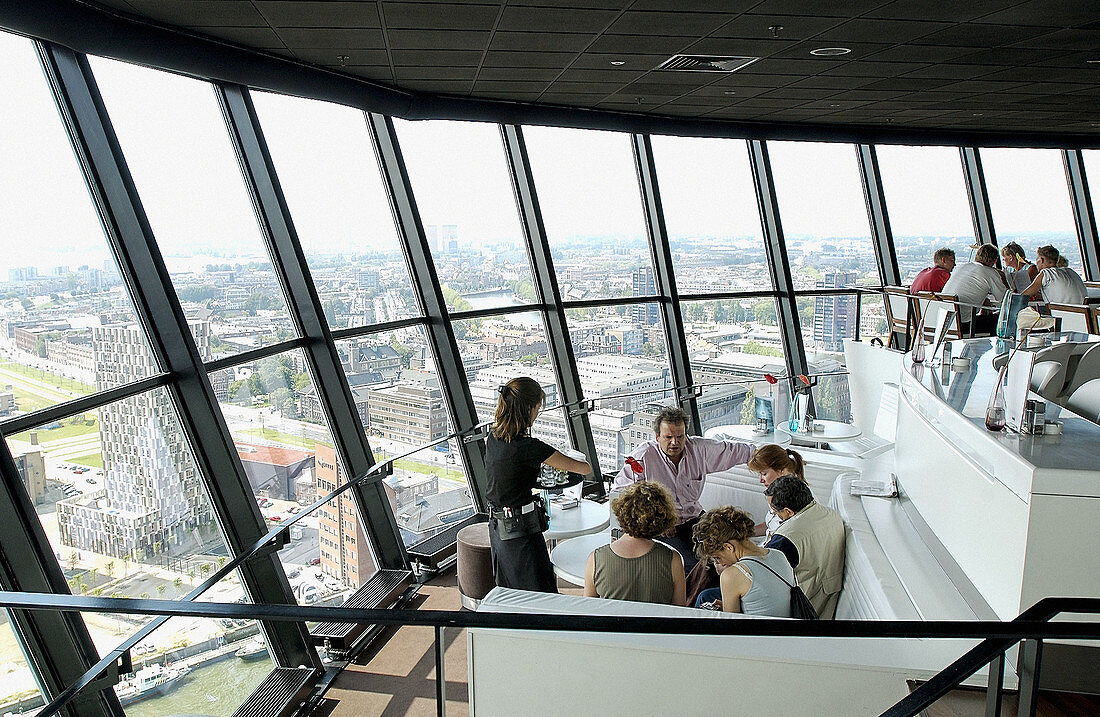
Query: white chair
x=1087, y=369
x=1085, y=400
x=1075, y=317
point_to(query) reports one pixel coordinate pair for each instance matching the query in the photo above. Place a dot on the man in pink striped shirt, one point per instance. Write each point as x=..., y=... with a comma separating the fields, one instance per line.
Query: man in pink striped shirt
x=681, y=463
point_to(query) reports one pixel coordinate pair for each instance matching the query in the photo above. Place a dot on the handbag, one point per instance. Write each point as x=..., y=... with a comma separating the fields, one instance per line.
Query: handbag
x=801, y=607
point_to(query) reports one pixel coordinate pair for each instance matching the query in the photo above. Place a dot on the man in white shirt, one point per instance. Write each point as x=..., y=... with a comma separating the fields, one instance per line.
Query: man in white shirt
x=973, y=283
x=1056, y=284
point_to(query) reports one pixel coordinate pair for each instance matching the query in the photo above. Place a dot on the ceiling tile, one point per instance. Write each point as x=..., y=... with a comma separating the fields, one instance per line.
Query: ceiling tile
x=585, y=88
x=559, y=60
x=1088, y=40
x=429, y=58
x=201, y=13
x=438, y=16
x=954, y=72
x=317, y=14
x=975, y=34
x=823, y=8
x=328, y=57
x=662, y=44
x=826, y=82
x=438, y=39
x=907, y=84
x=739, y=46
x=792, y=27
x=336, y=38
x=263, y=38
x=728, y=6
x=518, y=73
x=920, y=53
x=435, y=73
x=954, y=11
x=799, y=93
x=1054, y=13
x=539, y=41
x=509, y=86
x=610, y=74
x=667, y=23
x=438, y=87
x=881, y=31
x=594, y=60
x=560, y=20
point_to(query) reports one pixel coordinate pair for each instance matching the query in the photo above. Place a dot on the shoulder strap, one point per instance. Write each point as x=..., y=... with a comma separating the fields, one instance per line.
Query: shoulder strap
x=769, y=570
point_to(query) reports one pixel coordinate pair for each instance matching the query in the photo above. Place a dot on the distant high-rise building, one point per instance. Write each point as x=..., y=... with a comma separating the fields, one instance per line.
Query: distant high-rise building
x=368, y=280
x=643, y=285
x=22, y=273
x=152, y=495
x=443, y=238
x=835, y=316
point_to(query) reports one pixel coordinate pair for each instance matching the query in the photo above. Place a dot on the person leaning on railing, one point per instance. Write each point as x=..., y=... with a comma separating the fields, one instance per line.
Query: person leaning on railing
x=636, y=567
x=513, y=460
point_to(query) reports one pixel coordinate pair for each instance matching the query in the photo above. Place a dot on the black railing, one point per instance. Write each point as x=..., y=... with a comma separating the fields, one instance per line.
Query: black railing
x=1032, y=625
x=278, y=536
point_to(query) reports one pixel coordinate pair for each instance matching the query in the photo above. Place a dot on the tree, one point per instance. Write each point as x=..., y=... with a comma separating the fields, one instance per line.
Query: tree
x=109, y=568
x=204, y=568
x=178, y=582
x=748, y=408
x=160, y=590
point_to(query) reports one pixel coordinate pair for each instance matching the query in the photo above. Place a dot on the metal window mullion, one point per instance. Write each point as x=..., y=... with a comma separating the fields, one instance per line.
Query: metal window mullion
x=664, y=276
x=165, y=325
x=875, y=197
x=546, y=285
x=1084, y=217
x=978, y=195
x=307, y=314
x=425, y=285
x=778, y=263
x=58, y=646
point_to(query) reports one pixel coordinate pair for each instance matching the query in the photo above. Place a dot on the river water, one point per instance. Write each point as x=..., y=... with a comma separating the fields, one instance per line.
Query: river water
x=213, y=690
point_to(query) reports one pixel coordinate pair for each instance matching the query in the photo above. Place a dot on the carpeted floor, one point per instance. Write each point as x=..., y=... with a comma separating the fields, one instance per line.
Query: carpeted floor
x=397, y=679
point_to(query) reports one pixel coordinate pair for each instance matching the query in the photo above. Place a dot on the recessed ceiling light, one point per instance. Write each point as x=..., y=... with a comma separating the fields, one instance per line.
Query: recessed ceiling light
x=1093, y=62
x=729, y=92
x=616, y=63
x=830, y=51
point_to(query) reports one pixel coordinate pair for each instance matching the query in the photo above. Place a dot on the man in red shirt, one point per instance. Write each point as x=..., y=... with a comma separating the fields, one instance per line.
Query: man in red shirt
x=934, y=277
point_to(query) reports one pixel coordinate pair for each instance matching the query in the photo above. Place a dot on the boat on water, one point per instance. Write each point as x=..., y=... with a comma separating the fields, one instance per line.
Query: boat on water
x=254, y=649
x=155, y=679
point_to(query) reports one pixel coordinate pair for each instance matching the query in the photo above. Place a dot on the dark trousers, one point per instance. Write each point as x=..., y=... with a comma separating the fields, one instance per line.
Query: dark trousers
x=682, y=543
x=522, y=563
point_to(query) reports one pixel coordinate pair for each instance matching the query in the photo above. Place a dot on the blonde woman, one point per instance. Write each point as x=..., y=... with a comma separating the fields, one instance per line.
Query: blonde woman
x=636, y=567
x=770, y=462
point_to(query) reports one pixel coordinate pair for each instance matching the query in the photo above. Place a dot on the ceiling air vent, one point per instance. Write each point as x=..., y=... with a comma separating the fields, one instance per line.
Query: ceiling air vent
x=706, y=63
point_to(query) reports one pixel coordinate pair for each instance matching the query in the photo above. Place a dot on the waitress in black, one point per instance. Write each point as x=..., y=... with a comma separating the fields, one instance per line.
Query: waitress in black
x=516, y=516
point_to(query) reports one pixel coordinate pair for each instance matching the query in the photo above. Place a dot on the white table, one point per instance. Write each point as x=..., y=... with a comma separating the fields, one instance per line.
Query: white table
x=746, y=434
x=587, y=517
x=570, y=556
x=835, y=432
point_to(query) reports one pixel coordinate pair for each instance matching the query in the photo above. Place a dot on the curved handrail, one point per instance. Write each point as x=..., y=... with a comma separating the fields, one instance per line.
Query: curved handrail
x=276, y=537
x=1033, y=623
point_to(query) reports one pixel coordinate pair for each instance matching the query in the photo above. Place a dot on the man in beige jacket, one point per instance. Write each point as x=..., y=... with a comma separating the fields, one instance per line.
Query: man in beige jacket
x=812, y=538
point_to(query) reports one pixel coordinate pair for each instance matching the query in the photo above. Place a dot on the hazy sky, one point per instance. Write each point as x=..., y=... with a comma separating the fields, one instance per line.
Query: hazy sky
x=176, y=146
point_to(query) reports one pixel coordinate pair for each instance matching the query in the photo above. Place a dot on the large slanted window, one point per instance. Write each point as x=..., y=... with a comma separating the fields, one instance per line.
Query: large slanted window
x=329, y=176
x=588, y=190
x=926, y=199
x=1029, y=198
x=460, y=178
x=187, y=176
x=711, y=215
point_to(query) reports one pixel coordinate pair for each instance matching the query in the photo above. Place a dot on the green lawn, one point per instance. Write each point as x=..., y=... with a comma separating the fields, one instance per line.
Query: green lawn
x=289, y=439
x=47, y=377
x=68, y=430
x=30, y=402
x=92, y=460
x=425, y=468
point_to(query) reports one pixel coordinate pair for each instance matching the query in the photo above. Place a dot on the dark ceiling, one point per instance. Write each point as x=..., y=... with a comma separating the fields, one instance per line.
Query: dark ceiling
x=968, y=65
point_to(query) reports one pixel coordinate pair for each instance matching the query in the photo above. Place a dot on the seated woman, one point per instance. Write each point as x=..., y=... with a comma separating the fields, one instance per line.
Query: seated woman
x=771, y=461
x=752, y=579
x=635, y=567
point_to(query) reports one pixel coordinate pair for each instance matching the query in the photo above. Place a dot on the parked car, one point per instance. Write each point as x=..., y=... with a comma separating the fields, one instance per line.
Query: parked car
x=294, y=573
x=274, y=518
x=293, y=509
x=315, y=561
x=90, y=480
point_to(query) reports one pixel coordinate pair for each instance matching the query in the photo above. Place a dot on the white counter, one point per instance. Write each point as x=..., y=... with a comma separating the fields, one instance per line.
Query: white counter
x=1020, y=514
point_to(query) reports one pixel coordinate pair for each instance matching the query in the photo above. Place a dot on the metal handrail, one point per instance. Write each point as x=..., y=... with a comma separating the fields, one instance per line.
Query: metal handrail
x=1032, y=624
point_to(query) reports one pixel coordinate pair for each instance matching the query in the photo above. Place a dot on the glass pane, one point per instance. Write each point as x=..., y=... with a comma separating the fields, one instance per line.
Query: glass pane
x=282, y=438
x=1029, y=198
x=472, y=226
x=591, y=205
x=393, y=374
x=1092, y=175
x=872, y=318
x=201, y=686
x=826, y=321
x=927, y=203
x=341, y=213
x=823, y=213
x=711, y=214
x=18, y=688
x=61, y=289
x=732, y=344
x=622, y=360
x=186, y=172
x=123, y=506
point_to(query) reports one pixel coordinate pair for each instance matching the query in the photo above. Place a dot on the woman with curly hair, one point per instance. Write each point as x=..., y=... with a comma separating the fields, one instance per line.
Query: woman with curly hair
x=636, y=567
x=752, y=577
